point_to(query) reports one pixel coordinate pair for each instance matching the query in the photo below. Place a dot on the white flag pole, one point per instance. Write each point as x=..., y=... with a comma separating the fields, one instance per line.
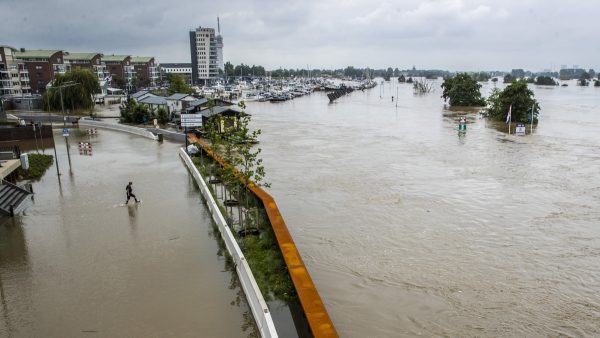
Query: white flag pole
x=509, y=118
x=532, y=108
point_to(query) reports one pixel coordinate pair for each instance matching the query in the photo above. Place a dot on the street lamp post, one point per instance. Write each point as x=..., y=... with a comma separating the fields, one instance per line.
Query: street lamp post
x=62, y=106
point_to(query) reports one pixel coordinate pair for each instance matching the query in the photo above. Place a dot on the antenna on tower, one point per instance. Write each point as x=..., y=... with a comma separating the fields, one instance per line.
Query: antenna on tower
x=218, y=26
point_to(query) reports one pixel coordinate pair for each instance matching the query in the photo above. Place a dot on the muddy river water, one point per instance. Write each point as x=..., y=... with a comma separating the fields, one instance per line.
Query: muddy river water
x=409, y=228
x=80, y=263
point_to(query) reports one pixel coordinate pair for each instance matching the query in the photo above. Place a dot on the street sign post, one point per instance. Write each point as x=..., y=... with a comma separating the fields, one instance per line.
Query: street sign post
x=520, y=130
x=191, y=120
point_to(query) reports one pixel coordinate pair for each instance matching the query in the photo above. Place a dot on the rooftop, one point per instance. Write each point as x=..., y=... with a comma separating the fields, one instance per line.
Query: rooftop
x=176, y=65
x=36, y=54
x=119, y=58
x=177, y=96
x=81, y=56
x=219, y=110
x=154, y=100
x=139, y=94
x=141, y=59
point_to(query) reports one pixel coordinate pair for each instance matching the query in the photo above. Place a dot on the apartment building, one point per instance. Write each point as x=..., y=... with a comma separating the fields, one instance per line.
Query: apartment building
x=91, y=61
x=146, y=70
x=14, y=76
x=203, y=49
x=119, y=67
x=42, y=66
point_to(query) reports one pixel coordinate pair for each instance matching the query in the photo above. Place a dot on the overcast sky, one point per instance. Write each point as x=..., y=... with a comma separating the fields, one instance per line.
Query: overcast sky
x=440, y=34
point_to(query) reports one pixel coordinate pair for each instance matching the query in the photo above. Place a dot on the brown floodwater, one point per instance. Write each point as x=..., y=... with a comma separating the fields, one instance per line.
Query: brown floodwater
x=78, y=263
x=410, y=228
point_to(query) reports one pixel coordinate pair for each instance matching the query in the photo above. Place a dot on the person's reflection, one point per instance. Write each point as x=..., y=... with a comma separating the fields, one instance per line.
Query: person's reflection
x=132, y=210
x=461, y=137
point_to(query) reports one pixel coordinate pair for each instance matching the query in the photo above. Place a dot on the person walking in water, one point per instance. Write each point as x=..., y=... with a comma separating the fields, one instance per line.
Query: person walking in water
x=130, y=194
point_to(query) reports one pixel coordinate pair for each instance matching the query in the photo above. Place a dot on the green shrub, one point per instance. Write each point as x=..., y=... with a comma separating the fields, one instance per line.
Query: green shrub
x=38, y=164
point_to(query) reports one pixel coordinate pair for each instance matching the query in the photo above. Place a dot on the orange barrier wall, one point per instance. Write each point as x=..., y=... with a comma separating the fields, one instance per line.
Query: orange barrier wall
x=318, y=318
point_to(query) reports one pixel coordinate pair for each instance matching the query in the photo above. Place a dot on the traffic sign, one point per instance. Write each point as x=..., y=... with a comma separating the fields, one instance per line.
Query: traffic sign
x=66, y=132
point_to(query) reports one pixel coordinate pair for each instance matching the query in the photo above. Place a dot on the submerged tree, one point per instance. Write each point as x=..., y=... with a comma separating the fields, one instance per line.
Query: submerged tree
x=545, y=81
x=509, y=78
x=421, y=86
x=518, y=98
x=401, y=78
x=462, y=90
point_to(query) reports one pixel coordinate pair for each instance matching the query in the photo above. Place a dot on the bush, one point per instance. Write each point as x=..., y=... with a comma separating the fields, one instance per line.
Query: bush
x=38, y=164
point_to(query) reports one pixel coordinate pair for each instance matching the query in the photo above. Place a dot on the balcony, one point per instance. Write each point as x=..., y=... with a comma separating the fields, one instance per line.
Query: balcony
x=60, y=69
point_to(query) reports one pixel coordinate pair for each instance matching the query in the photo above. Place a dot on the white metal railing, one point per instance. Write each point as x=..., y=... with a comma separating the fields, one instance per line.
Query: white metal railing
x=260, y=311
x=85, y=121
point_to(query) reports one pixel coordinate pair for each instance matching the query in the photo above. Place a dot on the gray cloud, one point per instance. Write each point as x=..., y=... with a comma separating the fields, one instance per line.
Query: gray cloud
x=451, y=34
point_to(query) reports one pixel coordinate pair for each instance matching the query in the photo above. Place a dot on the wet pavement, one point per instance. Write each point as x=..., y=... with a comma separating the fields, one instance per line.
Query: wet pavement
x=411, y=228
x=79, y=263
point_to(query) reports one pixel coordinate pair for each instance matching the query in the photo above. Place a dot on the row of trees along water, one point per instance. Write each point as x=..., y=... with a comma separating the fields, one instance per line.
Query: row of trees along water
x=463, y=90
x=232, y=140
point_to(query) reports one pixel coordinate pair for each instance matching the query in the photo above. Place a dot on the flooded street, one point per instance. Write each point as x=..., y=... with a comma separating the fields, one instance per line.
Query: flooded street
x=79, y=263
x=409, y=228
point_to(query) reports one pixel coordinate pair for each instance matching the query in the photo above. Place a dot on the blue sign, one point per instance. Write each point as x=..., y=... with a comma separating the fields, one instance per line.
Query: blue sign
x=65, y=132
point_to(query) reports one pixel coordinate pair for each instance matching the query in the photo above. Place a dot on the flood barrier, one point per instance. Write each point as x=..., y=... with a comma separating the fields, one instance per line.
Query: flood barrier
x=119, y=127
x=259, y=308
x=318, y=319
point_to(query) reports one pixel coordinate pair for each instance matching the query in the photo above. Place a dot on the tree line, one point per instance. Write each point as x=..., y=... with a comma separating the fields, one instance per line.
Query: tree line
x=463, y=90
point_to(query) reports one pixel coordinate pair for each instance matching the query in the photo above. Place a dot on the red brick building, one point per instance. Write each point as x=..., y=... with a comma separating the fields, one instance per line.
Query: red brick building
x=91, y=61
x=146, y=70
x=42, y=65
x=119, y=67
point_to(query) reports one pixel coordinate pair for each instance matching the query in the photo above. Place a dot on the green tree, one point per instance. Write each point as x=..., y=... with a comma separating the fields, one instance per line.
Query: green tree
x=162, y=116
x=401, y=78
x=177, y=84
x=516, y=96
x=462, y=90
x=545, y=81
x=80, y=96
x=509, y=78
x=229, y=69
x=133, y=112
x=481, y=76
